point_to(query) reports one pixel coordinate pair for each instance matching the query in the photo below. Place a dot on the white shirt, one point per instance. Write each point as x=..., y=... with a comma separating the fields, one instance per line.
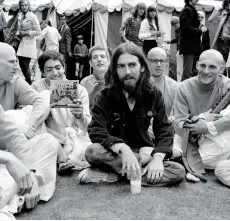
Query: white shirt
x=52, y=38
x=145, y=32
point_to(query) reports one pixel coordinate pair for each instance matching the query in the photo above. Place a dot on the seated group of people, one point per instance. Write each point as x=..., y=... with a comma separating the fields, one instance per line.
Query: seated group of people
x=129, y=120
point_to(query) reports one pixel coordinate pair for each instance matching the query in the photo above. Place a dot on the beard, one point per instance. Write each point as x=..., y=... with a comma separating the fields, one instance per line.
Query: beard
x=131, y=89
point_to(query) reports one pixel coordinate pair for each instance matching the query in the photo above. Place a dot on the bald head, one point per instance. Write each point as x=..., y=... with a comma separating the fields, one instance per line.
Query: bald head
x=5, y=49
x=157, y=58
x=8, y=62
x=212, y=54
x=156, y=51
x=209, y=66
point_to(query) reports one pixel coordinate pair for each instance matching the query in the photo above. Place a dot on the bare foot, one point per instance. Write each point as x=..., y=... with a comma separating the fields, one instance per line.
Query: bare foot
x=192, y=178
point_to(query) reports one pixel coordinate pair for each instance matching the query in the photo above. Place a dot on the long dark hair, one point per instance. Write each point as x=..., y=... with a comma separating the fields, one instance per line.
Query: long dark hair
x=113, y=82
x=152, y=8
x=139, y=5
x=225, y=3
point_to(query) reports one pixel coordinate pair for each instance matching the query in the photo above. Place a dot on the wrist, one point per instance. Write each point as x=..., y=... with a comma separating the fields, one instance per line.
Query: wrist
x=123, y=148
x=157, y=156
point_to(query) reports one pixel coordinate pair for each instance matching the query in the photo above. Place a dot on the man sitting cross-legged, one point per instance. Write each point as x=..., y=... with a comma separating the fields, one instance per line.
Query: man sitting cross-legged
x=157, y=60
x=74, y=120
x=120, y=120
x=195, y=99
x=33, y=179
x=40, y=152
x=99, y=61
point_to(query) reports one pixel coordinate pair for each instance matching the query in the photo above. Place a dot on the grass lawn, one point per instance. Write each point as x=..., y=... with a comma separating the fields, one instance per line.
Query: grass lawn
x=209, y=200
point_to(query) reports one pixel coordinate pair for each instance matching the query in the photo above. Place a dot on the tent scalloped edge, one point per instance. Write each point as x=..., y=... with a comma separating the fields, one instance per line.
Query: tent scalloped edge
x=102, y=9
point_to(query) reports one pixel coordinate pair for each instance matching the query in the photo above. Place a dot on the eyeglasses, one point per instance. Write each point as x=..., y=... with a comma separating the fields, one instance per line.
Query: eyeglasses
x=153, y=10
x=201, y=17
x=156, y=61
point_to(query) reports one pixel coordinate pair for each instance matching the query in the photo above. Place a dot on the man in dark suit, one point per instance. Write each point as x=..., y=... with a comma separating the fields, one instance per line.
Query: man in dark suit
x=65, y=42
x=205, y=38
x=190, y=39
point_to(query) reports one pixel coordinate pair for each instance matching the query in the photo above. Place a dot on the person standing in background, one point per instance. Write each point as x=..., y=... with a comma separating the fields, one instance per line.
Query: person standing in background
x=80, y=53
x=130, y=29
x=65, y=42
x=50, y=35
x=190, y=40
x=175, y=22
x=28, y=29
x=205, y=38
x=3, y=25
x=149, y=30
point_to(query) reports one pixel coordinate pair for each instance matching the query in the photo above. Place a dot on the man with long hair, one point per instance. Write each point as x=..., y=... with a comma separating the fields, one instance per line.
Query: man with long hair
x=120, y=121
x=129, y=31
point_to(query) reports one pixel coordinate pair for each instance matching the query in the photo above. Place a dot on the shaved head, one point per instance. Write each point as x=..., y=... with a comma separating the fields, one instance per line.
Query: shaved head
x=155, y=51
x=5, y=49
x=212, y=54
x=8, y=62
x=209, y=66
x=157, y=59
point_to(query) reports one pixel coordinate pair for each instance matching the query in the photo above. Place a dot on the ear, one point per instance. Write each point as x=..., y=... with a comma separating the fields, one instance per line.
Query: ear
x=197, y=65
x=90, y=63
x=142, y=69
x=222, y=69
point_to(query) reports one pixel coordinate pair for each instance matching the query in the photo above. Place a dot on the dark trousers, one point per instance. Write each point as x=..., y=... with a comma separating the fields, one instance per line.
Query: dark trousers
x=2, y=38
x=148, y=45
x=107, y=160
x=24, y=64
x=189, y=66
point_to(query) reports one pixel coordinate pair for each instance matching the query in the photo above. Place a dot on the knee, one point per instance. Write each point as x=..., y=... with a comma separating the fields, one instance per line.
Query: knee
x=222, y=172
x=91, y=152
x=175, y=171
x=53, y=143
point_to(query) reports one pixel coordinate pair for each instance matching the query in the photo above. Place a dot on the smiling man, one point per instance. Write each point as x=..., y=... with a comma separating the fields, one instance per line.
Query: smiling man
x=195, y=98
x=120, y=120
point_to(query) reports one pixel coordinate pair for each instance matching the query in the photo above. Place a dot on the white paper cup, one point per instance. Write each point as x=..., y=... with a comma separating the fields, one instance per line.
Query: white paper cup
x=135, y=185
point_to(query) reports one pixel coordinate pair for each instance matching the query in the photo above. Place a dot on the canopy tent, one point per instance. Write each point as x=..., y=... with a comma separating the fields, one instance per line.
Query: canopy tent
x=108, y=15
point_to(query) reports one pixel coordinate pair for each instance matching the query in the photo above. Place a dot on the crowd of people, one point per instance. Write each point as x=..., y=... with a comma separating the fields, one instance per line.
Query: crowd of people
x=129, y=121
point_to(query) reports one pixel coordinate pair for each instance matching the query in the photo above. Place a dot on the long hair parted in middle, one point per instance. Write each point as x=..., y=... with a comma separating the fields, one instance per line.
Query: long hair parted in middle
x=113, y=80
x=149, y=9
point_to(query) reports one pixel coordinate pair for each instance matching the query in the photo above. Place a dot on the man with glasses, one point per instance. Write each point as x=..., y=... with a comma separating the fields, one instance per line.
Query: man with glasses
x=157, y=60
x=120, y=120
x=190, y=38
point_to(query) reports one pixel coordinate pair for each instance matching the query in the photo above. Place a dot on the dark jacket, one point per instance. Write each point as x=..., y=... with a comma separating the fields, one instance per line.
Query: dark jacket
x=66, y=40
x=205, y=44
x=108, y=116
x=190, y=41
x=176, y=40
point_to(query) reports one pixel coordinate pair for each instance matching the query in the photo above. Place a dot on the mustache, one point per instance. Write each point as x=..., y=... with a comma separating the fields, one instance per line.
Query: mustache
x=127, y=77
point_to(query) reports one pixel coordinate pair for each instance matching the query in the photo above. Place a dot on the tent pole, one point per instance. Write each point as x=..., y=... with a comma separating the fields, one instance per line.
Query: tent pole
x=91, y=37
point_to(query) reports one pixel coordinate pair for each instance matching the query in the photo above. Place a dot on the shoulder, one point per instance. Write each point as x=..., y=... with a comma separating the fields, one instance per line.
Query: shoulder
x=38, y=84
x=173, y=84
x=188, y=85
x=145, y=21
x=84, y=80
x=226, y=84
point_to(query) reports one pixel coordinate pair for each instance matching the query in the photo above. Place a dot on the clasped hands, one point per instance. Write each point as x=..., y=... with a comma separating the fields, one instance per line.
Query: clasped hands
x=132, y=168
x=198, y=125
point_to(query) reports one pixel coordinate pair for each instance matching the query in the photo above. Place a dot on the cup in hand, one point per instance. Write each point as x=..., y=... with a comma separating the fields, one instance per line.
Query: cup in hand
x=135, y=185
